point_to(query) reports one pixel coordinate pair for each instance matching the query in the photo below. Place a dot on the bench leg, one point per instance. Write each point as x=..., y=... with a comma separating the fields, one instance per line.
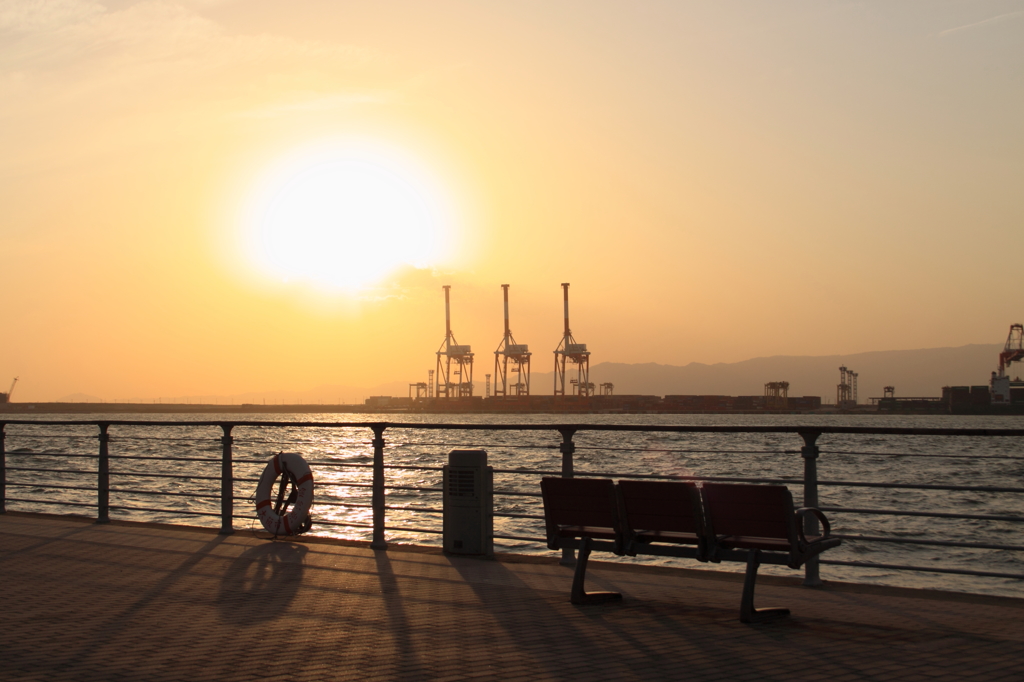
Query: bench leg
x=578, y=595
x=748, y=614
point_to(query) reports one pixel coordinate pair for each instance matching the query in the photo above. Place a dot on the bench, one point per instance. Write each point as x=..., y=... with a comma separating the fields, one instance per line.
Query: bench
x=709, y=522
x=583, y=514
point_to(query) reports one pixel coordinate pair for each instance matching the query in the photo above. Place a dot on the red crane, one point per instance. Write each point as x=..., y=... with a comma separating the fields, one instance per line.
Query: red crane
x=1013, y=351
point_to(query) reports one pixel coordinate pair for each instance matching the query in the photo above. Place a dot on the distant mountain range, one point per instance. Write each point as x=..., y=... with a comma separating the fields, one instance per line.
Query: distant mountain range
x=913, y=373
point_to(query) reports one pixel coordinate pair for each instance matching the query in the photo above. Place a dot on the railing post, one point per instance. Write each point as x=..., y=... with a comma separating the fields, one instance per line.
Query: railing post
x=3, y=470
x=227, y=483
x=377, y=502
x=810, y=454
x=567, y=448
x=103, y=483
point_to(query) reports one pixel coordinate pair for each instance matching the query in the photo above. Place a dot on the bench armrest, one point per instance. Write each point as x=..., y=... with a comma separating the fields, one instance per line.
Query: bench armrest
x=825, y=525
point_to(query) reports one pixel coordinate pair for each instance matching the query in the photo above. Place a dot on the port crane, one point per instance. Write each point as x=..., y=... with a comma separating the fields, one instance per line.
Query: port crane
x=1013, y=351
x=515, y=353
x=452, y=382
x=575, y=353
x=6, y=397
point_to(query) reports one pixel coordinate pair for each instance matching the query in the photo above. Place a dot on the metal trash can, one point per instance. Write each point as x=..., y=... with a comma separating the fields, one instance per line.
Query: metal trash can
x=468, y=503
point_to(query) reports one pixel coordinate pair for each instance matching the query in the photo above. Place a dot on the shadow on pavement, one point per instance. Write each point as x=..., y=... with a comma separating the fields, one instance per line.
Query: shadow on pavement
x=261, y=583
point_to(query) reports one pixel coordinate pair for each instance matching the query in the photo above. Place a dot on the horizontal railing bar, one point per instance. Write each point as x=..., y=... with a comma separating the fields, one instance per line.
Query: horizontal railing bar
x=925, y=569
x=520, y=516
x=148, y=475
x=918, y=454
x=213, y=437
x=70, y=504
x=405, y=487
x=254, y=441
x=523, y=538
x=415, y=509
x=516, y=493
x=691, y=452
x=320, y=503
x=937, y=515
x=165, y=511
x=52, y=454
x=923, y=486
x=131, y=491
x=578, y=427
x=669, y=477
x=510, y=446
x=53, y=471
x=932, y=543
x=205, y=460
x=318, y=522
x=407, y=529
x=49, y=435
x=528, y=472
x=311, y=462
x=91, y=489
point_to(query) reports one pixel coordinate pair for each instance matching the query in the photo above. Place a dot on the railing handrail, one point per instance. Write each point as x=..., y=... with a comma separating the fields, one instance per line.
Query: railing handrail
x=553, y=426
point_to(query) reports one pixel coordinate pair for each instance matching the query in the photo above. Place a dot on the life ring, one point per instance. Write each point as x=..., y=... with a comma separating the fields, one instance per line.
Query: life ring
x=285, y=515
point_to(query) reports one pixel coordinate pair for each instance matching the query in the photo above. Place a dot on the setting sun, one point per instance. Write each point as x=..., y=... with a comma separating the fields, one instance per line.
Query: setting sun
x=343, y=217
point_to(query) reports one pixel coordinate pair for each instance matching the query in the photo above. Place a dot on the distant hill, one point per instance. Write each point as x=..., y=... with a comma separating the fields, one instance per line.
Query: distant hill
x=79, y=398
x=913, y=373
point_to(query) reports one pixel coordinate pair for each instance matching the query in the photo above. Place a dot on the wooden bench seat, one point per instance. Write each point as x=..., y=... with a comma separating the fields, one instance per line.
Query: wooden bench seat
x=704, y=521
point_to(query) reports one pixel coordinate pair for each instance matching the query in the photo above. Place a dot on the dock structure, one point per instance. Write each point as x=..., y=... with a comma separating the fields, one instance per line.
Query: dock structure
x=124, y=601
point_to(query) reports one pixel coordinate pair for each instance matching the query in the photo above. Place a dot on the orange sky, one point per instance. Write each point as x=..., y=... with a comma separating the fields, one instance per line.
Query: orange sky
x=717, y=182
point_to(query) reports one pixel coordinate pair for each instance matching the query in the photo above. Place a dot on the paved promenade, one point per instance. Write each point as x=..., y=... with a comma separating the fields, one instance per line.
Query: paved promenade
x=137, y=602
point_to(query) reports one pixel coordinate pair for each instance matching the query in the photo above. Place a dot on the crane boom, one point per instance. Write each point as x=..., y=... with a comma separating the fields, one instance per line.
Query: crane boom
x=1013, y=351
x=6, y=397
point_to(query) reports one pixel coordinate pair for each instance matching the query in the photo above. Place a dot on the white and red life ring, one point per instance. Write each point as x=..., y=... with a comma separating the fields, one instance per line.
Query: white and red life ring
x=285, y=515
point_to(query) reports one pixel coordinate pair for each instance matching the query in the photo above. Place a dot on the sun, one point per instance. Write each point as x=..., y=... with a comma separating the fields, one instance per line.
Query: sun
x=345, y=216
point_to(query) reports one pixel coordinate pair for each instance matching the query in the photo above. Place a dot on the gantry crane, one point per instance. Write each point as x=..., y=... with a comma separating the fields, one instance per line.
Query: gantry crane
x=1013, y=351
x=450, y=352
x=518, y=355
x=846, y=391
x=576, y=353
x=6, y=397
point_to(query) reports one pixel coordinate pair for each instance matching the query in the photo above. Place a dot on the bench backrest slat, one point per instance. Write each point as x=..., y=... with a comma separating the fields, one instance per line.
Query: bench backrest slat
x=764, y=511
x=661, y=506
x=579, y=502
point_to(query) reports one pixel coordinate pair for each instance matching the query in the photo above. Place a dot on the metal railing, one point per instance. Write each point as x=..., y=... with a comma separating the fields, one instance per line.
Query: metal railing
x=27, y=463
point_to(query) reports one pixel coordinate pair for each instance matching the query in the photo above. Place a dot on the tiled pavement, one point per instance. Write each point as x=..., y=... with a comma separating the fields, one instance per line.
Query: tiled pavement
x=80, y=601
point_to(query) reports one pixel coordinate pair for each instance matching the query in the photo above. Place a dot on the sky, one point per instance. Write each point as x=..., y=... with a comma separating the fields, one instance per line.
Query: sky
x=215, y=197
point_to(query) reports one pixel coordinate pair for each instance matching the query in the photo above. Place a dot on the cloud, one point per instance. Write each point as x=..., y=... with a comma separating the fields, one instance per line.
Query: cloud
x=315, y=103
x=86, y=36
x=978, y=24
x=77, y=78
x=32, y=16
